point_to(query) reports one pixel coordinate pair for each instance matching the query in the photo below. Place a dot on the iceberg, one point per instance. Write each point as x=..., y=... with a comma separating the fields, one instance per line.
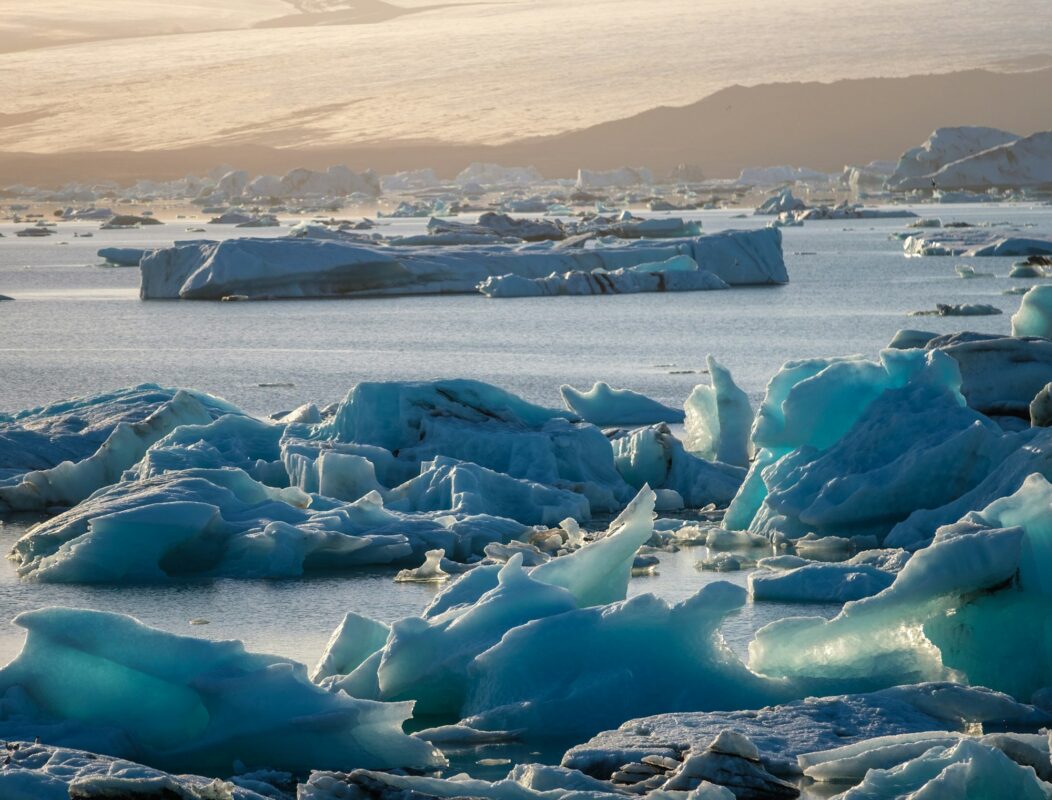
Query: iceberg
x=973, y=605
x=964, y=769
x=33, y=771
x=497, y=175
x=457, y=487
x=819, y=583
x=604, y=406
x=784, y=733
x=180, y=703
x=1000, y=375
x=122, y=256
x=72, y=430
x=431, y=659
x=652, y=456
x=846, y=445
x=366, y=783
x=1034, y=317
x=975, y=244
x=615, y=662
x=1018, y=164
x=209, y=522
x=944, y=146
x=613, y=178
x=718, y=419
x=478, y=423
x=68, y=483
x=959, y=310
x=304, y=267
x=780, y=203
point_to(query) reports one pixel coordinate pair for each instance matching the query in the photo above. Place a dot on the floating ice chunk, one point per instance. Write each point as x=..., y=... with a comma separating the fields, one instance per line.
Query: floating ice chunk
x=1034, y=317
x=965, y=769
x=669, y=500
x=306, y=267
x=307, y=414
x=819, y=583
x=429, y=572
x=1026, y=453
x=876, y=475
x=233, y=440
x=999, y=374
x=604, y=406
x=959, y=310
x=816, y=401
x=718, y=419
x=968, y=272
x=850, y=763
x=779, y=203
x=579, y=672
x=431, y=658
x=904, y=632
x=355, y=639
x=221, y=522
x=363, y=783
x=653, y=456
x=40, y=772
x=599, y=572
x=122, y=256
x=731, y=760
x=67, y=483
x=427, y=660
x=908, y=338
x=783, y=733
x=191, y=704
x=975, y=243
x=446, y=484
x=72, y=430
x=475, y=422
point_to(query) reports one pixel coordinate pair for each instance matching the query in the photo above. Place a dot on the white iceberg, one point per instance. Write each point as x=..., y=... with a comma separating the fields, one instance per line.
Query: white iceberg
x=303, y=267
x=604, y=406
x=943, y=147
x=718, y=419
x=1018, y=164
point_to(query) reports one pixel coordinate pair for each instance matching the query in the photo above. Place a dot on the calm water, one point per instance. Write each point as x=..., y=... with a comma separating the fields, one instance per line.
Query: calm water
x=77, y=328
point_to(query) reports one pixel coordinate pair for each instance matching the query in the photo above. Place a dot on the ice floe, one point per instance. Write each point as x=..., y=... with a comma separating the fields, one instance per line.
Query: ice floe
x=303, y=267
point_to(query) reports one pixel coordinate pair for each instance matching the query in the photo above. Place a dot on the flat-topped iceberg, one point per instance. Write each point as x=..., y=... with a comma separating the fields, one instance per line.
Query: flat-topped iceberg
x=975, y=243
x=303, y=267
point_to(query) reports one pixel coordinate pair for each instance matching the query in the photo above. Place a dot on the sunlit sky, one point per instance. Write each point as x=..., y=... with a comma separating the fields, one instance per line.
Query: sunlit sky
x=146, y=75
